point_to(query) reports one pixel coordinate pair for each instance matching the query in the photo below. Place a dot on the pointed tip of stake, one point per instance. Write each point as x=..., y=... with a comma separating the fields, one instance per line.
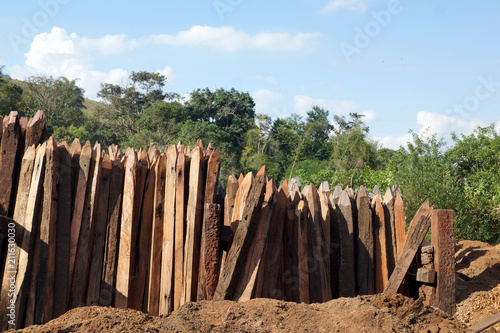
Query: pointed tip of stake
x=362, y=191
x=262, y=171
x=232, y=179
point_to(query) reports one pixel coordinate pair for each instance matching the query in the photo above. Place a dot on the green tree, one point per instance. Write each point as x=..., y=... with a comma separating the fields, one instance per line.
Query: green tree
x=317, y=129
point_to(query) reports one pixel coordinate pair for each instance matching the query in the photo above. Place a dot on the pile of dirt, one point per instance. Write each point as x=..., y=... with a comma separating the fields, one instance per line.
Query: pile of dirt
x=391, y=313
x=478, y=297
x=477, y=282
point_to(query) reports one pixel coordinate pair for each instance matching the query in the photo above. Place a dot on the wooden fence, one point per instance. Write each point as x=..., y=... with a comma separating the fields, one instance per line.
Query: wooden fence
x=151, y=231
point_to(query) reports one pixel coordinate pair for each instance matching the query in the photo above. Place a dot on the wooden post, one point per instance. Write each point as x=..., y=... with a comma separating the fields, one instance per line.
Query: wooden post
x=209, y=253
x=126, y=249
x=96, y=262
x=80, y=194
x=229, y=202
x=379, y=238
x=242, y=239
x=347, y=259
x=390, y=229
x=443, y=240
x=246, y=285
x=416, y=234
x=399, y=219
x=181, y=194
x=11, y=140
x=167, y=262
x=193, y=226
x=303, y=269
x=21, y=203
x=365, y=246
x=212, y=176
x=111, y=248
x=268, y=273
x=290, y=277
x=35, y=133
x=334, y=246
x=157, y=238
x=81, y=270
x=32, y=225
x=240, y=199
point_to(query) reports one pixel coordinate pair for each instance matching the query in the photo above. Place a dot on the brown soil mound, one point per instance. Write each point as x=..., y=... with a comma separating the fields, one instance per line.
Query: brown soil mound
x=392, y=313
x=477, y=282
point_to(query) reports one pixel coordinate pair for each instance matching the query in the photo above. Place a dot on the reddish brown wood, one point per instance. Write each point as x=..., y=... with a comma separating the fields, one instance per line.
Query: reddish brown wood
x=399, y=220
x=229, y=202
x=240, y=199
x=193, y=226
x=246, y=285
x=303, y=267
x=414, y=239
x=167, y=263
x=212, y=176
x=157, y=238
x=11, y=141
x=334, y=246
x=379, y=238
x=96, y=263
x=35, y=133
x=365, y=246
x=443, y=240
x=181, y=191
x=209, y=252
x=111, y=247
x=242, y=239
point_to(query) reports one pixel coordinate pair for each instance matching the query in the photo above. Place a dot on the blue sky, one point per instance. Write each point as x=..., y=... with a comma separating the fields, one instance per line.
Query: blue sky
x=404, y=64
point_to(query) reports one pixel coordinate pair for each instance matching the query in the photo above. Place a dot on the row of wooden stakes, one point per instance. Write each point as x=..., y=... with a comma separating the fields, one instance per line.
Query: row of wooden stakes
x=151, y=231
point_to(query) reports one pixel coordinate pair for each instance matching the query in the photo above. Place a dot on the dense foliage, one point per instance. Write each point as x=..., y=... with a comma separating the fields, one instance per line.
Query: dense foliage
x=463, y=176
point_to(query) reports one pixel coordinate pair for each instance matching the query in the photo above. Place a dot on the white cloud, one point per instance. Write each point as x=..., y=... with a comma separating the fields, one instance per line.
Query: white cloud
x=59, y=53
x=369, y=116
x=303, y=103
x=228, y=39
x=269, y=79
x=169, y=73
x=352, y=5
x=264, y=99
x=433, y=123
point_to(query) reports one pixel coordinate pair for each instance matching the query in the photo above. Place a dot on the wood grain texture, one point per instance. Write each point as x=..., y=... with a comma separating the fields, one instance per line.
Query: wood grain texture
x=31, y=224
x=303, y=268
x=23, y=236
x=414, y=239
x=443, y=240
x=111, y=248
x=390, y=229
x=240, y=199
x=246, y=284
x=124, y=271
x=243, y=239
x=209, y=252
x=334, y=246
x=365, y=245
x=35, y=133
x=379, y=238
x=181, y=192
x=167, y=263
x=193, y=226
x=229, y=202
x=347, y=259
x=99, y=239
x=11, y=141
x=399, y=220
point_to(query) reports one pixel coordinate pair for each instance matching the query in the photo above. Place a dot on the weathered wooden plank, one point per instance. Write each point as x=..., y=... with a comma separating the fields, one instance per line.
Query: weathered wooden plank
x=78, y=207
x=229, y=202
x=167, y=262
x=413, y=241
x=380, y=248
x=294, y=184
x=111, y=247
x=337, y=193
x=334, y=246
x=365, y=245
x=319, y=289
x=390, y=229
x=326, y=211
x=302, y=240
x=212, y=177
x=11, y=141
x=31, y=225
x=81, y=270
x=128, y=233
x=35, y=133
x=484, y=324
x=181, y=193
x=347, y=259
x=209, y=252
x=240, y=179
x=399, y=220
x=12, y=265
x=240, y=199
x=290, y=260
x=143, y=255
x=242, y=239
x=268, y=273
x=245, y=287
x=156, y=238
x=96, y=263
x=193, y=226
x=443, y=240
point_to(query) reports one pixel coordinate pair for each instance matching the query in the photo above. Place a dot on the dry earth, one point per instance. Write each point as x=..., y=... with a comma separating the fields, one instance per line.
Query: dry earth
x=478, y=297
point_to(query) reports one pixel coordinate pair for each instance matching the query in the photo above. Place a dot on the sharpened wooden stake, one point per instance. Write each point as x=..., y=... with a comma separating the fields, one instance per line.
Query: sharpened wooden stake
x=399, y=220
x=390, y=229
x=303, y=268
x=379, y=238
x=181, y=193
x=365, y=245
x=347, y=260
